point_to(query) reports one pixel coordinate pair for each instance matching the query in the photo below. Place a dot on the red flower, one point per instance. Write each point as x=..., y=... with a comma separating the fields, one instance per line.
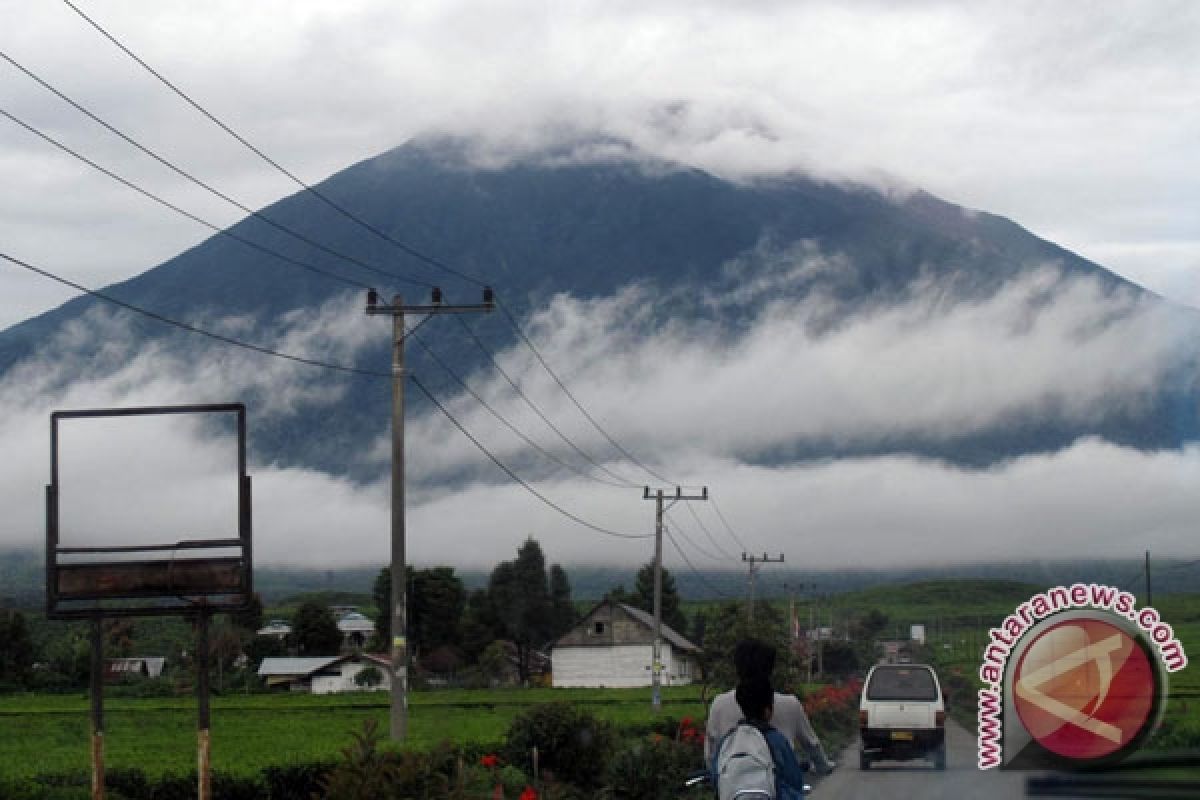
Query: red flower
x=490, y=761
x=529, y=794
x=686, y=722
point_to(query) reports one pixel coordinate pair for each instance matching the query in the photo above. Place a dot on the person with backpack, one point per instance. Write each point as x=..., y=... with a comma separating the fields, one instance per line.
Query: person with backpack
x=754, y=761
x=752, y=659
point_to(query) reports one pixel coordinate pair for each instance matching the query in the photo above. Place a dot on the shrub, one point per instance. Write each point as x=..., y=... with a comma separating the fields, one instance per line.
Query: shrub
x=368, y=677
x=652, y=767
x=295, y=780
x=573, y=745
x=833, y=711
x=365, y=773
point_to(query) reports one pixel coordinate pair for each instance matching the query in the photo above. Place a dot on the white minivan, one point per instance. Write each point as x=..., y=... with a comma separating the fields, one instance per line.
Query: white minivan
x=902, y=715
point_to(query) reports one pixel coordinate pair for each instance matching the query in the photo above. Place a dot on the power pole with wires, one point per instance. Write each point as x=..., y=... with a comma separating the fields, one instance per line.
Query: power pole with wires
x=753, y=561
x=656, y=654
x=399, y=648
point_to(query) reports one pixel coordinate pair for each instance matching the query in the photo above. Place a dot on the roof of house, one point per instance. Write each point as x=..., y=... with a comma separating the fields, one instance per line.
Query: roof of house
x=355, y=622
x=646, y=619
x=295, y=666
x=669, y=633
x=302, y=666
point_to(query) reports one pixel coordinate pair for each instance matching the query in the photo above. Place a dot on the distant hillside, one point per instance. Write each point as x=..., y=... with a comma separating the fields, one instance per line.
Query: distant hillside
x=961, y=586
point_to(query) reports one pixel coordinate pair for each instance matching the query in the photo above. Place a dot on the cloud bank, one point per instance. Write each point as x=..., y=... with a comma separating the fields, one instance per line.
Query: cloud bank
x=704, y=402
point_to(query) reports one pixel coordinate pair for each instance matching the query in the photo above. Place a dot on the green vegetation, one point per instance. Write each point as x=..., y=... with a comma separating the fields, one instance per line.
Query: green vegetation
x=49, y=733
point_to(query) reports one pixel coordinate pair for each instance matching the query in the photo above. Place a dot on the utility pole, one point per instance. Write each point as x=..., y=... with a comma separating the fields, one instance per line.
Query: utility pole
x=753, y=561
x=1149, y=594
x=656, y=652
x=397, y=310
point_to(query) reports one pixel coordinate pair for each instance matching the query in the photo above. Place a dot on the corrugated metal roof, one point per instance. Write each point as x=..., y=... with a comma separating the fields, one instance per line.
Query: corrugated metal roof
x=295, y=666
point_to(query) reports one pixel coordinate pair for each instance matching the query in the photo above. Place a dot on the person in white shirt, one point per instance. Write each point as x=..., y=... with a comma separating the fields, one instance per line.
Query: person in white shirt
x=752, y=659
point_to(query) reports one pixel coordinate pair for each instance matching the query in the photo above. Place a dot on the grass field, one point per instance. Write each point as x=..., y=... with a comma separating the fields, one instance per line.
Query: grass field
x=49, y=733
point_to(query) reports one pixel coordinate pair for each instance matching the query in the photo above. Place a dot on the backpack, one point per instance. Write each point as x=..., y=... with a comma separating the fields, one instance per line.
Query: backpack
x=745, y=766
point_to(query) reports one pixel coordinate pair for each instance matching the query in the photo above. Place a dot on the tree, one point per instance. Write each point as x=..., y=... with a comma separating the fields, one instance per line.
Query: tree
x=315, y=631
x=16, y=648
x=520, y=594
x=434, y=608
x=564, y=613
x=250, y=619
x=368, y=677
x=381, y=591
x=643, y=597
x=727, y=625
x=481, y=625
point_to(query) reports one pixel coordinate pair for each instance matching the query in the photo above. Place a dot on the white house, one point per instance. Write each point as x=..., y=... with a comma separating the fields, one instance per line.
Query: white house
x=614, y=645
x=324, y=674
x=277, y=628
x=141, y=666
x=356, y=630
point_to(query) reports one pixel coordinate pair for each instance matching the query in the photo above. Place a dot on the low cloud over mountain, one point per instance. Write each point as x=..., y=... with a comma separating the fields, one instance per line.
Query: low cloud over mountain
x=848, y=371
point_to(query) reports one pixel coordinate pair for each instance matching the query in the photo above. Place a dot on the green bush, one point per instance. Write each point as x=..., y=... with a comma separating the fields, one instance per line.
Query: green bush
x=573, y=745
x=295, y=780
x=652, y=767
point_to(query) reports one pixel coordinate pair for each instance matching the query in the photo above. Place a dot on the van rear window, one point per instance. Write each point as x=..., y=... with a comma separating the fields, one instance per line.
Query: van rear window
x=902, y=683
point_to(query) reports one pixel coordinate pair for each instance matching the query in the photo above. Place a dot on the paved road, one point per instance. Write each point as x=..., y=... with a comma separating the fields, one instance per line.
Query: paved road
x=962, y=780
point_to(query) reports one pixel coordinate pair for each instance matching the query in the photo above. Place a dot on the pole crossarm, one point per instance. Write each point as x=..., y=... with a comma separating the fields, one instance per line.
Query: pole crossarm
x=754, y=561
x=397, y=310
x=658, y=495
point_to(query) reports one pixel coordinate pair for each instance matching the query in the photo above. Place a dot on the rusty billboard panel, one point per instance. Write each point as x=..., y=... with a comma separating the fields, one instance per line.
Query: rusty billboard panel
x=150, y=579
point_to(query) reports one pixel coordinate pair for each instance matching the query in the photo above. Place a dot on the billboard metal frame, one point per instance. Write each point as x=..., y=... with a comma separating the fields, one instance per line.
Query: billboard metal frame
x=164, y=585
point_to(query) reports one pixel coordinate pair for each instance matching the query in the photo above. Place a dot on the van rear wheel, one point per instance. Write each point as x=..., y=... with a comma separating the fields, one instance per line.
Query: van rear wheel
x=939, y=757
x=864, y=760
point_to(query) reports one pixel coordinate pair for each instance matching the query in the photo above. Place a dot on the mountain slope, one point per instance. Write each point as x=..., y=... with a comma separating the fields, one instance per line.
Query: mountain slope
x=538, y=227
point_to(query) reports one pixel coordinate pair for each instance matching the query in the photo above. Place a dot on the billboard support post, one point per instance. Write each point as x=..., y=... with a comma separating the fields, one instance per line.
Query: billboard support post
x=97, y=702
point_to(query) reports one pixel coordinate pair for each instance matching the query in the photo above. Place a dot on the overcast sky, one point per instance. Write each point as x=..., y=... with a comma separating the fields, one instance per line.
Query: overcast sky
x=1079, y=121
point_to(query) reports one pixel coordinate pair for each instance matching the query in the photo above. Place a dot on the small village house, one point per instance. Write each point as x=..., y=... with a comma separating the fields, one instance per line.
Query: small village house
x=323, y=674
x=613, y=647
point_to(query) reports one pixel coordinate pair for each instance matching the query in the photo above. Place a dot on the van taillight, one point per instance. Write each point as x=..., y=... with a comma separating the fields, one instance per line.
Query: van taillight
x=862, y=719
x=939, y=719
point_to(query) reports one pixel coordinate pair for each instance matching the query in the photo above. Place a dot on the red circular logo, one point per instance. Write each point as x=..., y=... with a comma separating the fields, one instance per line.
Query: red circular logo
x=1085, y=688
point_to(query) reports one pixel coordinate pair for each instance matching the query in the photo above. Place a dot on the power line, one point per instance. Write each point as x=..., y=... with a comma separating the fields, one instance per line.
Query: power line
x=220, y=231
x=202, y=184
x=229, y=340
x=679, y=529
x=508, y=471
x=621, y=481
x=616, y=445
x=177, y=209
x=412, y=251
x=708, y=533
x=699, y=575
x=545, y=453
x=725, y=522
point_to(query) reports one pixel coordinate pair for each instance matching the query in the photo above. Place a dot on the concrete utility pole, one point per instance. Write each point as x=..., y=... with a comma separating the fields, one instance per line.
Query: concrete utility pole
x=753, y=561
x=656, y=656
x=397, y=310
x=1149, y=594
